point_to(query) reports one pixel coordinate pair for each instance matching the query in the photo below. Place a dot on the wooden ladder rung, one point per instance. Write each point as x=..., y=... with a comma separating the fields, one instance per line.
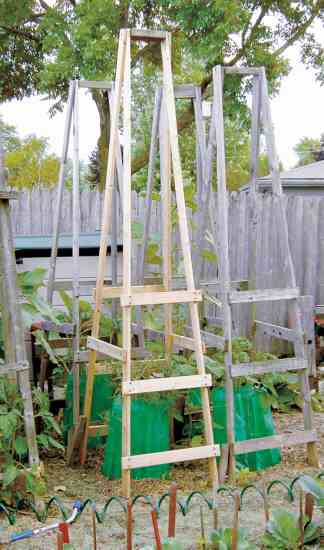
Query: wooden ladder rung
x=110, y=292
x=166, y=384
x=148, y=35
x=276, y=331
x=97, y=430
x=9, y=368
x=275, y=441
x=166, y=297
x=210, y=339
x=170, y=457
x=98, y=84
x=260, y=367
x=104, y=347
x=265, y=295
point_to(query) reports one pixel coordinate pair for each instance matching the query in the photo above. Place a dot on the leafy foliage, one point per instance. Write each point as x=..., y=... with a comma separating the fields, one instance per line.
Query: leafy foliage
x=45, y=44
x=17, y=479
x=222, y=539
x=283, y=531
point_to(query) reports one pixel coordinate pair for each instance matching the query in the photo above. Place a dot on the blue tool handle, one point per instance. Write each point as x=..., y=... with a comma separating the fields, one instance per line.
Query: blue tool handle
x=78, y=505
x=22, y=535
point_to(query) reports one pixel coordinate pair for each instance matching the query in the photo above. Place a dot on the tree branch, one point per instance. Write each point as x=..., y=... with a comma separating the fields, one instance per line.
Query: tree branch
x=23, y=34
x=300, y=29
x=187, y=116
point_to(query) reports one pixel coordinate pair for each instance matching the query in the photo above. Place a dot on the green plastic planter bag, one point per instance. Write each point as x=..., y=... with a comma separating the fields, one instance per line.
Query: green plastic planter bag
x=253, y=418
x=101, y=403
x=150, y=432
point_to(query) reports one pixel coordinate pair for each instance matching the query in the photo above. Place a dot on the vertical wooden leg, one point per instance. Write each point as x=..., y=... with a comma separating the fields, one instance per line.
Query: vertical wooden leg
x=127, y=259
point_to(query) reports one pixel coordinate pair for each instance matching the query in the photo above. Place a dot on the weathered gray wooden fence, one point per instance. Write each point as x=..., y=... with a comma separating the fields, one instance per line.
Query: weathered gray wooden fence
x=33, y=215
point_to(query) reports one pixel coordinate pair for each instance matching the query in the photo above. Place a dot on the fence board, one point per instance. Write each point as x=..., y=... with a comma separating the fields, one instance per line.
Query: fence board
x=32, y=214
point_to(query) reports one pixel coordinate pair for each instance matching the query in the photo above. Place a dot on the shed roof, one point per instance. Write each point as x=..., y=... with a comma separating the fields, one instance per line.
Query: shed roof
x=308, y=178
x=44, y=242
x=313, y=171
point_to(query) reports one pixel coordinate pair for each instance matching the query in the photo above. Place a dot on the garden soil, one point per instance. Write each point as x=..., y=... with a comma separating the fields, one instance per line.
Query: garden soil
x=80, y=483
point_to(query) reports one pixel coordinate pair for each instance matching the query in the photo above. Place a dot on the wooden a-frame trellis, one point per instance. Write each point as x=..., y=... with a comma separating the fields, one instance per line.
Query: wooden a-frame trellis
x=228, y=297
x=130, y=295
x=79, y=357
x=16, y=367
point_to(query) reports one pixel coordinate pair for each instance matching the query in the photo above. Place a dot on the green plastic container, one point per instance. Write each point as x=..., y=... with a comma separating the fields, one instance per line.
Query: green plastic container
x=150, y=432
x=101, y=403
x=253, y=418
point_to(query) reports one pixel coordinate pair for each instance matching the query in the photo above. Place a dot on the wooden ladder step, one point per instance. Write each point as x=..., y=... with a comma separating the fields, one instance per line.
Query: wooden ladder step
x=209, y=339
x=275, y=441
x=98, y=430
x=166, y=384
x=277, y=331
x=148, y=35
x=166, y=297
x=111, y=292
x=9, y=368
x=265, y=295
x=265, y=367
x=104, y=347
x=170, y=457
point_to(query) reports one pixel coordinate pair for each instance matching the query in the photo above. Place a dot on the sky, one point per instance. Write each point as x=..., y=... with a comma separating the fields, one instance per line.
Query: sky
x=296, y=113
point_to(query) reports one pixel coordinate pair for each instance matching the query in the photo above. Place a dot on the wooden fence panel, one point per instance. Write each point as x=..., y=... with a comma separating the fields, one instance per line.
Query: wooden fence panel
x=32, y=214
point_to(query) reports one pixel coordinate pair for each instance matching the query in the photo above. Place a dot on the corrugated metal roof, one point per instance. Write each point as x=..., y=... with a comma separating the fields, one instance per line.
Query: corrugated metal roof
x=44, y=242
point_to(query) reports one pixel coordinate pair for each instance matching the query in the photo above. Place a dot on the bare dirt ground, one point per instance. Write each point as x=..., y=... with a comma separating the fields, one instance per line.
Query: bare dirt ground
x=82, y=483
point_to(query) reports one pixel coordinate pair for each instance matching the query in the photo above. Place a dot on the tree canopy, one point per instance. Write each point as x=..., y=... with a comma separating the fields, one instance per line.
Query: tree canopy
x=28, y=160
x=44, y=44
x=309, y=150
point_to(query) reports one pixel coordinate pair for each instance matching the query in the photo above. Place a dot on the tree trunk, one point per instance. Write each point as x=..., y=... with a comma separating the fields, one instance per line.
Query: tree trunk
x=101, y=100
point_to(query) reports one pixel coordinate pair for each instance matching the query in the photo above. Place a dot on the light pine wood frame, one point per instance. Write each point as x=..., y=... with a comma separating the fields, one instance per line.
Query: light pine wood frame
x=136, y=296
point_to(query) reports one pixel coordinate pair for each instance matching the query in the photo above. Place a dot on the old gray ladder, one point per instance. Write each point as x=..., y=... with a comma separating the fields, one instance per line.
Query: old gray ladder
x=130, y=295
x=72, y=120
x=17, y=367
x=299, y=364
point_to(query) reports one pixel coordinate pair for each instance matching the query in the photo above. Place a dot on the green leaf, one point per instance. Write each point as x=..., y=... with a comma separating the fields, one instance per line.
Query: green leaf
x=42, y=341
x=42, y=440
x=31, y=281
x=137, y=230
x=67, y=300
x=9, y=475
x=54, y=443
x=209, y=255
x=45, y=309
x=21, y=447
x=309, y=485
x=51, y=422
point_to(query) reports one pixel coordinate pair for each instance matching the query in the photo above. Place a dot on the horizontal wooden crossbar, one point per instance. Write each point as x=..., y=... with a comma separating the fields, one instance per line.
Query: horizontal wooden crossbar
x=280, y=365
x=169, y=457
x=275, y=441
x=276, y=331
x=209, y=339
x=50, y=326
x=166, y=297
x=266, y=295
x=97, y=430
x=8, y=195
x=84, y=356
x=166, y=384
x=184, y=91
x=104, y=347
x=98, y=84
x=11, y=368
x=243, y=71
x=109, y=292
x=148, y=35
